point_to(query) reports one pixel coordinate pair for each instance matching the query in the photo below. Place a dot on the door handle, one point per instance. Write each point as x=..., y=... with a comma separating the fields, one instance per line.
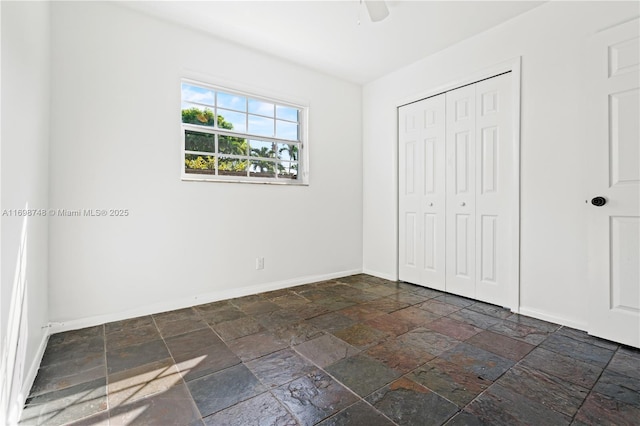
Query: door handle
x=463, y=204
x=598, y=201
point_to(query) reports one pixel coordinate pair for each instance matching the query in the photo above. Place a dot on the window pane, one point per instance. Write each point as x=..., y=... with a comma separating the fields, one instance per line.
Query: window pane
x=203, y=142
x=262, y=168
x=198, y=115
x=286, y=113
x=191, y=93
x=229, y=101
x=261, y=107
x=288, y=170
x=232, y=145
x=286, y=130
x=287, y=151
x=232, y=167
x=202, y=164
x=262, y=149
x=260, y=126
x=232, y=120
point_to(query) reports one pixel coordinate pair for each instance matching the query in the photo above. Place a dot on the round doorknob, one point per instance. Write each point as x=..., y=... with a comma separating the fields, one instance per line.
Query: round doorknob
x=430, y=204
x=598, y=201
x=463, y=204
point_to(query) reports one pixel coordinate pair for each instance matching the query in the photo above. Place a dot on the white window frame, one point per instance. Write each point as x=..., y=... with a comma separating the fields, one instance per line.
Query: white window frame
x=303, y=157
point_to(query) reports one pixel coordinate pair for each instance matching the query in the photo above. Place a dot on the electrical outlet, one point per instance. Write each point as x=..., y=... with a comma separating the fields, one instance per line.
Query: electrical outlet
x=259, y=262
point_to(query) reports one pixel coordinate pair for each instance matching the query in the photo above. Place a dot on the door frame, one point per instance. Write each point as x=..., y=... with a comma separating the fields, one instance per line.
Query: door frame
x=513, y=66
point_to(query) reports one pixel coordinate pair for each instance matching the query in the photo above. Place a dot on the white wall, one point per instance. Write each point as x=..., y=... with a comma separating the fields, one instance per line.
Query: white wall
x=116, y=144
x=25, y=142
x=551, y=40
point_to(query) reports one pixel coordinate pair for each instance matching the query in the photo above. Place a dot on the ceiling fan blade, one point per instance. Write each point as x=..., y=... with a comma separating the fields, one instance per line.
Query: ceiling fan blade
x=377, y=10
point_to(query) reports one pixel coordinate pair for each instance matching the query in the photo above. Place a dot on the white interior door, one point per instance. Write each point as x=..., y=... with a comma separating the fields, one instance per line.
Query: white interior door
x=461, y=191
x=495, y=191
x=421, y=200
x=613, y=85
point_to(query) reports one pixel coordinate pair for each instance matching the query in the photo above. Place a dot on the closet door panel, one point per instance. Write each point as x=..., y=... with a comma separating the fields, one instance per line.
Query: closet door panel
x=494, y=190
x=460, y=191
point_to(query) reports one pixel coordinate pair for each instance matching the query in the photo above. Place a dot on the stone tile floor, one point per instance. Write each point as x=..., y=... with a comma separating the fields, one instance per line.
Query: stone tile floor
x=358, y=350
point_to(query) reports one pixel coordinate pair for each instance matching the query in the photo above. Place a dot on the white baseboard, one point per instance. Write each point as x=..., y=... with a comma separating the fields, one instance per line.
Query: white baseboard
x=380, y=275
x=57, y=327
x=567, y=322
x=30, y=377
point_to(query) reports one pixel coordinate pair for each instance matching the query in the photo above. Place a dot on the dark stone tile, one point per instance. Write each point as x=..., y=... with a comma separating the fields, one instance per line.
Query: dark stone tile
x=477, y=361
x=438, y=307
x=310, y=311
x=209, y=308
x=383, y=290
x=362, y=374
x=457, y=384
x=464, y=418
x=491, y=310
x=386, y=304
x=140, y=382
x=177, y=315
x=181, y=326
x=358, y=414
x=520, y=332
x=136, y=355
x=408, y=297
x=262, y=410
x=408, y=403
x=361, y=296
x=290, y=300
x=429, y=293
x=240, y=327
x=280, y=367
x=581, y=351
x=430, y=341
x=584, y=337
x=476, y=319
x=334, y=303
x=501, y=345
x=452, y=299
x=128, y=324
x=547, y=327
x=229, y=313
x=174, y=406
x=297, y=333
x=132, y=336
x=326, y=350
x=452, y=328
x=62, y=375
x=415, y=316
x=72, y=350
x=223, y=389
x=550, y=391
x=314, y=397
x=361, y=335
x=66, y=405
x=241, y=302
x=257, y=345
x=203, y=361
x=619, y=388
x=361, y=312
x=399, y=356
x=190, y=342
x=625, y=363
x=563, y=367
x=599, y=409
x=271, y=320
x=500, y=406
x=331, y=322
x=260, y=307
x=390, y=325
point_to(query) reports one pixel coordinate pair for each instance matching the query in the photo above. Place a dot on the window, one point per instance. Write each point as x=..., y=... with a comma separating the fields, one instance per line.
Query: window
x=231, y=136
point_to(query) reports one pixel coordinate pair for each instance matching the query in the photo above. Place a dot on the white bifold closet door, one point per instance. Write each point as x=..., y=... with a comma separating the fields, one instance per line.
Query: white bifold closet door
x=465, y=178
